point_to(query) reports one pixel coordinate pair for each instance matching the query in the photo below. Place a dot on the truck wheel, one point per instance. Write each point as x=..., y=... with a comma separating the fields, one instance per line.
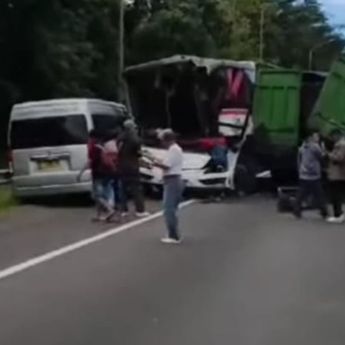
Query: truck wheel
x=245, y=181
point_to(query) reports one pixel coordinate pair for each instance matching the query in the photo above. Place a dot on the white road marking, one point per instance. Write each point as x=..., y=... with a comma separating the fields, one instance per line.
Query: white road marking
x=10, y=271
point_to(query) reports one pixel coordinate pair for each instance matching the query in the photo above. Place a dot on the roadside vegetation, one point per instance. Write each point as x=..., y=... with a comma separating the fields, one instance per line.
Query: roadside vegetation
x=7, y=200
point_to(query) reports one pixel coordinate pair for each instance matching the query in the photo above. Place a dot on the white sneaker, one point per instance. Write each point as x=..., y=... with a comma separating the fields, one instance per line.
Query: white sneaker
x=168, y=240
x=143, y=214
x=336, y=220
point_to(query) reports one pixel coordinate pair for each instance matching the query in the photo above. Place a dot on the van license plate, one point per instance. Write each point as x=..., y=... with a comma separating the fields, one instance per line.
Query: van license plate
x=50, y=166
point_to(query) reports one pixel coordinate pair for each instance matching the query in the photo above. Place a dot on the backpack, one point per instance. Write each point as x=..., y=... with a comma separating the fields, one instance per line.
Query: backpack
x=109, y=156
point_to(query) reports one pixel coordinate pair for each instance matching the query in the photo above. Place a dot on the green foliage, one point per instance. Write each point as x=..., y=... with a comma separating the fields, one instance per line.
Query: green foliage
x=231, y=29
x=7, y=199
x=60, y=48
x=175, y=29
x=57, y=48
x=296, y=28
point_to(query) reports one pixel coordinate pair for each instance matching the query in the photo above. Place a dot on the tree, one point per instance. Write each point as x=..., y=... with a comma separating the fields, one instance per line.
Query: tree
x=58, y=48
x=175, y=28
x=296, y=28
x=231, y=29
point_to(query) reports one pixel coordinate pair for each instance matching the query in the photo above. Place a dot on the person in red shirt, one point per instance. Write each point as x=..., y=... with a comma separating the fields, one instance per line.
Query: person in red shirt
x=101, y=180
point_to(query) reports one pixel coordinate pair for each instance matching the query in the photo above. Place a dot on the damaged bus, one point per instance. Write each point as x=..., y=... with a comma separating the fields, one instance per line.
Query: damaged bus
x=207, y=102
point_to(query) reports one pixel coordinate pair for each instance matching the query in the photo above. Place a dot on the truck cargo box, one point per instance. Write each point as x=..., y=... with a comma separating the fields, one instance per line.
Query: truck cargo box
x=277, y=106
x=329, y=111
x=283, y=101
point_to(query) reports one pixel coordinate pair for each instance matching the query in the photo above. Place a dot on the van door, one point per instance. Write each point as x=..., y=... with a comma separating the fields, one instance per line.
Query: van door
x=329, y=111
x=276, y=109
x=48, y=150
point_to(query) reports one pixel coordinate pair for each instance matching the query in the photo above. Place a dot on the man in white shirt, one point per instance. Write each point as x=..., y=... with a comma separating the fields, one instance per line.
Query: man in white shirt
x=173, y=185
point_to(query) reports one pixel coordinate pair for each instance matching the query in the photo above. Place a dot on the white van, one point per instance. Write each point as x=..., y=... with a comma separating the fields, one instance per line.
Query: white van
x=48, y=143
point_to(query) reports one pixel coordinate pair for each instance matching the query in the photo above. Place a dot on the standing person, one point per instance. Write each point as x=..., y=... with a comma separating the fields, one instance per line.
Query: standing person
x=129, y=145
x=336, y=176
x=101, y=181
x=173, y=185
x=310, y=158
x=112, y=148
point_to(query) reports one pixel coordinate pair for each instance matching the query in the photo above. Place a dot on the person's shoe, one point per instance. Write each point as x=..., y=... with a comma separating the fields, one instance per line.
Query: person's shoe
x=168, y=240
x=109, y=216
x=124, y=214
x=336, y=220
x=297, y=214
x=114, y=218
x=143, y=214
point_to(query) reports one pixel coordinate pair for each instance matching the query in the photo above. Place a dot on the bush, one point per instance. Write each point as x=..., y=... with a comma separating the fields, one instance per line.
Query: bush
x=7, y=199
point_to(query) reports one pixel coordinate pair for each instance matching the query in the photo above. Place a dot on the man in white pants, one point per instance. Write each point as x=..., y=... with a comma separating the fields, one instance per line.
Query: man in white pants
x=173, y=185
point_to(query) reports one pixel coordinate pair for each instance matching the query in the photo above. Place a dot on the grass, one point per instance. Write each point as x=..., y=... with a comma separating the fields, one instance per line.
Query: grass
x=7, y=199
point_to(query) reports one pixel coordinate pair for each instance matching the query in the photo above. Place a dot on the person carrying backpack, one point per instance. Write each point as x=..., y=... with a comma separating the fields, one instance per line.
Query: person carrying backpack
x=102, y=163
x=106, y=166
x=112, y=152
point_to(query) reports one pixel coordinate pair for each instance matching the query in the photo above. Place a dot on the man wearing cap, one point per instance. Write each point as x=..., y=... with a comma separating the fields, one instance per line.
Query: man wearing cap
x=173, y=184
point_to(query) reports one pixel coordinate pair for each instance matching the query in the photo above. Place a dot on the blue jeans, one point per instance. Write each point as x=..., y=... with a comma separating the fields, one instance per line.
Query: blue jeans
x=131, y=186
x=311, y=188
x=103, y=190
x=173, y=190
x=117, y=191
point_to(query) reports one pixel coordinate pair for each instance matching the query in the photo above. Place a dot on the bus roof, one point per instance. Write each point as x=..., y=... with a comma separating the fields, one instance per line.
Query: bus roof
x=209, y=63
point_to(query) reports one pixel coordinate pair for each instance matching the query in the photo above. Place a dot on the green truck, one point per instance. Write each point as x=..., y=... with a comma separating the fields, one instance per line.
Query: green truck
x=283, y=103
x=329, y=111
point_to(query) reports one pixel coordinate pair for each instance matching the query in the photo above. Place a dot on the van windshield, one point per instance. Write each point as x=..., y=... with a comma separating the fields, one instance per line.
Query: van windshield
x=49, y=131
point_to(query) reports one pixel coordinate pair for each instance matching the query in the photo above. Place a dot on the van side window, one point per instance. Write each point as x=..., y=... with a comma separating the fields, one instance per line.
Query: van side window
x=103, y=122
x=49, y=132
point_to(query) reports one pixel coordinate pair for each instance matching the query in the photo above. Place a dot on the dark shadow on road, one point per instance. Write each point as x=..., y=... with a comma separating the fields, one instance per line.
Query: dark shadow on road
x=77, y=201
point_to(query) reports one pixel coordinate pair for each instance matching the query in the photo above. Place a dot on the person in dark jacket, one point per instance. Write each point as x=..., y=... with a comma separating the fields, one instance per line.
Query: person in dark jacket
x=309, y=162
x=129, y=145
x=336, y=176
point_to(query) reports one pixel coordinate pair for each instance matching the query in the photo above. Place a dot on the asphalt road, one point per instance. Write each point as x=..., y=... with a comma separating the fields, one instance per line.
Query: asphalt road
x=244, y=275
x=28, y=231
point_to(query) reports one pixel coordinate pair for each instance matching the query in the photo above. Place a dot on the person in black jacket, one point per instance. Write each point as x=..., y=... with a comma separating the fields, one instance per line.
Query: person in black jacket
x=129, y=145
